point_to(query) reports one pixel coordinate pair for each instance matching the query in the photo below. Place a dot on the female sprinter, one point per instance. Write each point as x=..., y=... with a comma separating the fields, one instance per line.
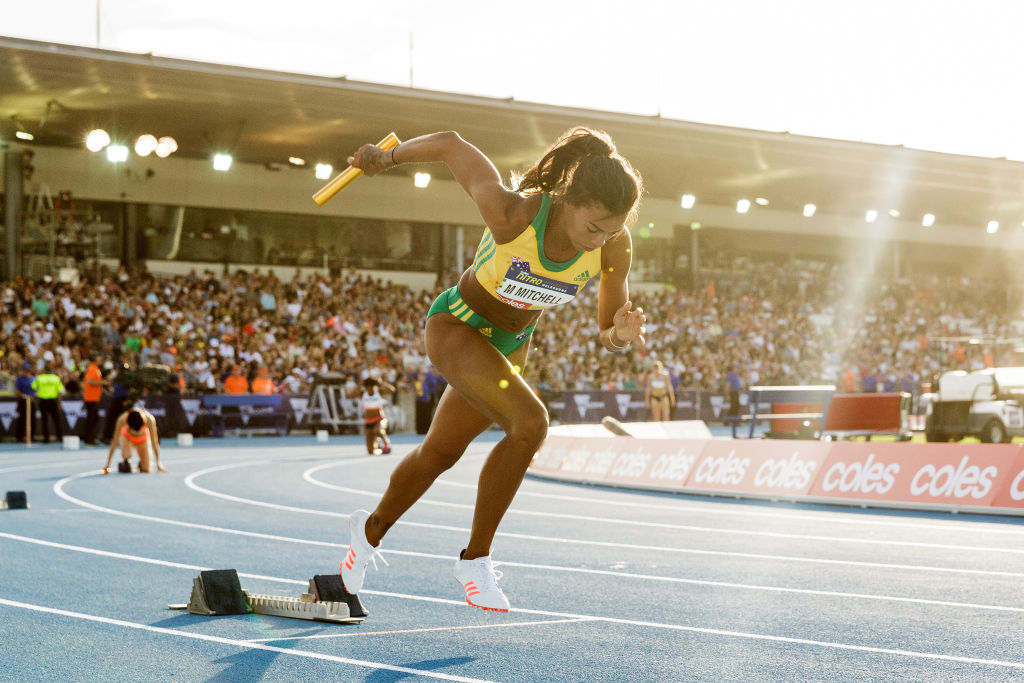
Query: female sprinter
x=135, y=429
x=375, y=424
x=563, y=224
x=660, y=397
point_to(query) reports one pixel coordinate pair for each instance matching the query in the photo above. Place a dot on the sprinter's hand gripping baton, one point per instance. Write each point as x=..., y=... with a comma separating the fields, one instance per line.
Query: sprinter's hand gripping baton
x=341, y=181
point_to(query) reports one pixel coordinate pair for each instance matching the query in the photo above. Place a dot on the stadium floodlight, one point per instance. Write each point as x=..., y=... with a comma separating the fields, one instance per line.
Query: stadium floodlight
x=323, y=171
x=687, y=201
x=895, y=213
x=871, y=216
x=117, y=153
x=97, y=140
x=296, y=161
x=24, y=135
x=421, y=180
x=809, y=210
x=166, y=146
x=761, y=201
x=928, y=220
x=221, y=162
x=742, y=206
x=145, y=145
x=993, y=227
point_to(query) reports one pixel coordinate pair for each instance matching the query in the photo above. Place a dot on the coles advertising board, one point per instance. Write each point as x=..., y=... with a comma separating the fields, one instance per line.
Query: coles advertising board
x=1011, y=494
x=937, y=473
x=933, y=476
x=775, y=466
x=659, y=463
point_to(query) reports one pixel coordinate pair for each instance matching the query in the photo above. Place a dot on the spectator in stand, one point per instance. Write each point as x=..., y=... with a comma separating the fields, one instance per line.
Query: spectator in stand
x=49, y=388
x=794, y=323
x=262, y=383
x=92, y=392
x=236, y=383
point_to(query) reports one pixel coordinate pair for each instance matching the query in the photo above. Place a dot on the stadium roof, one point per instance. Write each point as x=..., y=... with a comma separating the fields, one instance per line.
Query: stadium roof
x=59, y=92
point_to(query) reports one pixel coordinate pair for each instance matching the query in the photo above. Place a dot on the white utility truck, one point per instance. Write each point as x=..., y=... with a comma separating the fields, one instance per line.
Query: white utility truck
x=985, y=403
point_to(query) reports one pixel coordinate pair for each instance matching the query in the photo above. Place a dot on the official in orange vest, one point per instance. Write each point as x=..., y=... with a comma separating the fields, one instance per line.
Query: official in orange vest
x=263, y=384
x=92, y=392
x=236, y=383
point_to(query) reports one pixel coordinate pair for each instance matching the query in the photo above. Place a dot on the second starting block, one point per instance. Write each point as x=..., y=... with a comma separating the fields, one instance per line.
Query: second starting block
x=218, y=592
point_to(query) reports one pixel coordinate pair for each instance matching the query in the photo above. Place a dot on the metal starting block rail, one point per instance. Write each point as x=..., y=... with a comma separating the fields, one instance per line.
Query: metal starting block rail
x=217, y=592
x=300, y=608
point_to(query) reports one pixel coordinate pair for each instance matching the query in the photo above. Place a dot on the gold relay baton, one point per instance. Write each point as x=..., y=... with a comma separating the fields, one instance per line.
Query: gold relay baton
x=342, y=180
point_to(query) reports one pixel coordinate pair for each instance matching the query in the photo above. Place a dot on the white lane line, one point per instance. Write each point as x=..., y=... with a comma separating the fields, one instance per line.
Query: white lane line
x=590, y=617
x=471, y=627
x=665, y=525
x=244, y=644
x=308, y=476
x=630, y=576
x=58, y=488
x=717, y=508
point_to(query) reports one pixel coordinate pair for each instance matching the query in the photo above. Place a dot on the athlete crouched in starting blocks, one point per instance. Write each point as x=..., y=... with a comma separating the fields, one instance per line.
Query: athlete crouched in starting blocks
x=562, y=224
x=135, y=429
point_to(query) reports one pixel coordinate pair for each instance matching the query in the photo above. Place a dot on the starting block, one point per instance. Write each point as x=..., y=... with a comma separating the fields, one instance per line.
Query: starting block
x=218, y=592
x=18, y=500
x=330, y=588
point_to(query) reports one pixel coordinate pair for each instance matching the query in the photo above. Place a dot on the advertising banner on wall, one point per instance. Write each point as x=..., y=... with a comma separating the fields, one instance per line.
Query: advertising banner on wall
x=1011, y=493
x=174, y=415
x=936, y=473
x=931, y=476
x=775, y=466
x=585, y=407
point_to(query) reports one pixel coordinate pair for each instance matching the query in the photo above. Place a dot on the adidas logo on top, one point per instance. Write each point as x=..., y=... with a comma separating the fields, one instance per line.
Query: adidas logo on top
x=582, y=277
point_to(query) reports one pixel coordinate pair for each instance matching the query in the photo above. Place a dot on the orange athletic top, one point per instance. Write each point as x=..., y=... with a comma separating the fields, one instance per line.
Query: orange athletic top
x=136, y=439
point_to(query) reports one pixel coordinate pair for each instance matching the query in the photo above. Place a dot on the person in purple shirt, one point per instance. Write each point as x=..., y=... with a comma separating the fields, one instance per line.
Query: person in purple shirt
x=23, y=390
x=735, y=384
x=870, y=382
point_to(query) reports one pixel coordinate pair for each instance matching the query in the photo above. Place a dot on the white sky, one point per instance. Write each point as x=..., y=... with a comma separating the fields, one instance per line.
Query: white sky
x=946, y=75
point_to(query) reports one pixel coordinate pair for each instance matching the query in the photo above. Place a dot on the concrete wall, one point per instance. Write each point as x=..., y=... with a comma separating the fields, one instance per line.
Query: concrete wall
x=178, y=181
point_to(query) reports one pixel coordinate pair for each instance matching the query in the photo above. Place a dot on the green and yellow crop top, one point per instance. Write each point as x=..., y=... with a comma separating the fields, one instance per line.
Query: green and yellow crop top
x=519, y=274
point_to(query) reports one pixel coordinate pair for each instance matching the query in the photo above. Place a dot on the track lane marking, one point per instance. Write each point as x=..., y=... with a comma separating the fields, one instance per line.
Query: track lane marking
x=245, y=644
x=575, y=570
x=546, y=613
x=979, y=526
x=542, y=622
x=58, y=487
x=308, y=476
